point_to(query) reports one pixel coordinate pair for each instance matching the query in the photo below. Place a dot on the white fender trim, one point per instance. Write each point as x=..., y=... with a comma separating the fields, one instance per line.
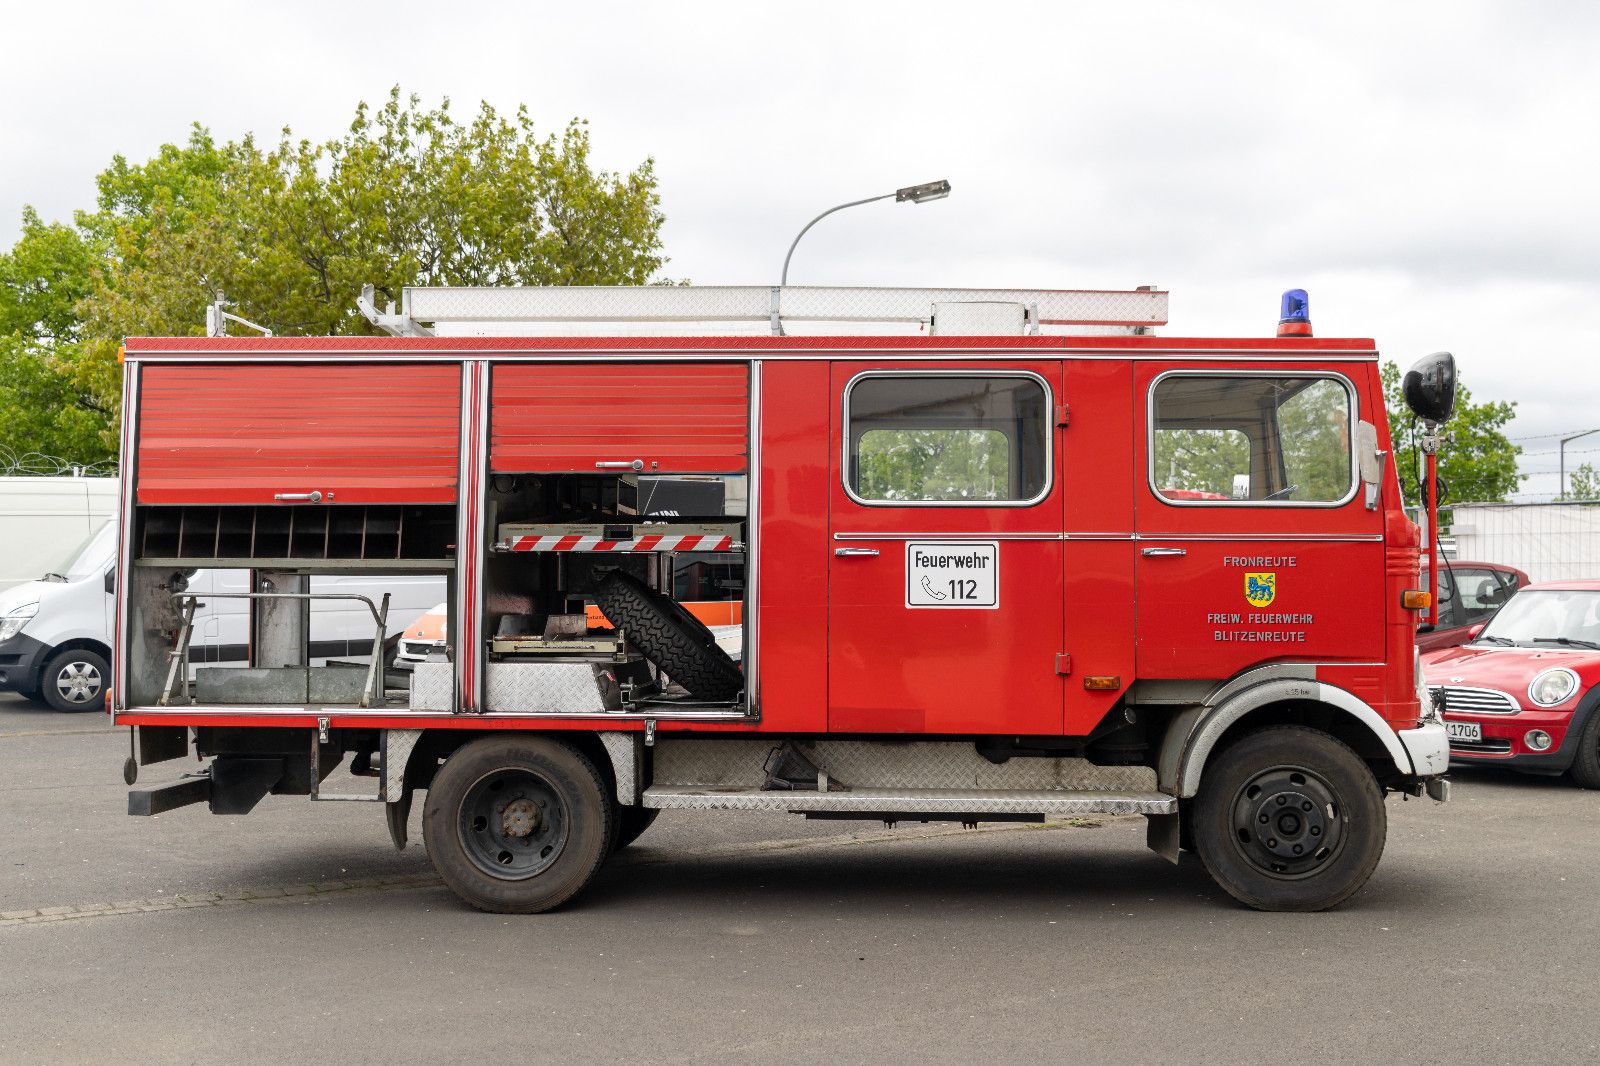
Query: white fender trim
x=1196, y=749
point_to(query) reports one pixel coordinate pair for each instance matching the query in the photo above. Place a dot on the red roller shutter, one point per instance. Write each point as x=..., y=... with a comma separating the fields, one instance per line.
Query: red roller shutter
x=245, y=433
x=688, y=418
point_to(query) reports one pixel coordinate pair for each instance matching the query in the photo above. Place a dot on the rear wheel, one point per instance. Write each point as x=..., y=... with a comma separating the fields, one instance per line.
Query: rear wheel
x=1289, y=819
x=74, y=680
x=517, y=825
x=1585, y=771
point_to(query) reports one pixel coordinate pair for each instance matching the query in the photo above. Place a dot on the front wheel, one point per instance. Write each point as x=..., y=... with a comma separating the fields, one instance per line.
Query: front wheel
x=1289, y=819
x=74, y=680
x=1585, y=770
x=517, y=825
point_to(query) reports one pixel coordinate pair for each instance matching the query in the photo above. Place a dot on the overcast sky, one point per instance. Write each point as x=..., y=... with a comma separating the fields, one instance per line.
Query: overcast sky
x=1426, y=170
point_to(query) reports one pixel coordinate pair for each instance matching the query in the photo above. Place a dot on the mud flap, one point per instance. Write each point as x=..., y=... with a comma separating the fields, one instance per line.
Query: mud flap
x=397, y=814
x=1161, y=835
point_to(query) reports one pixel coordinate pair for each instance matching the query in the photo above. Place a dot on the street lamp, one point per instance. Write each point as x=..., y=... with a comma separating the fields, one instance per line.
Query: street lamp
x=913, y=194
x=1561, y=494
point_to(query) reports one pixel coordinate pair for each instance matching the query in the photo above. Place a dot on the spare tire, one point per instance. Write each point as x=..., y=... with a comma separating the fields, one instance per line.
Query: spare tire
x=669, y=636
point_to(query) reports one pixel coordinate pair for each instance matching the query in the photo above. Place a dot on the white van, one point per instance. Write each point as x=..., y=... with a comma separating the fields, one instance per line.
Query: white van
x=55, y=632
x=41, y=516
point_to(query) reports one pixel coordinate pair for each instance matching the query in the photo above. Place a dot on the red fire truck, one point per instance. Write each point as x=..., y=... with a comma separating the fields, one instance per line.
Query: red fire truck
x=1002, y=555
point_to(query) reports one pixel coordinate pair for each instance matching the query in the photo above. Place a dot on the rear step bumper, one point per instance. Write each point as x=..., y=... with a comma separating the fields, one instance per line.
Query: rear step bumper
x=873, y=801
x=159, y=799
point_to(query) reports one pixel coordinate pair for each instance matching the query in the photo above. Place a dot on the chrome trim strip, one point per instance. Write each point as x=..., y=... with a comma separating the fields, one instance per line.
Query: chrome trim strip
x=752, y=548
x=1350, y=437
x=1292, y=538
x=1361, y=538
x=1049, y=438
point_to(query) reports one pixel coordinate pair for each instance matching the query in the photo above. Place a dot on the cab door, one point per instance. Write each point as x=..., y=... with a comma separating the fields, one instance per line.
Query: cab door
x=945, y=553
x=1255, y=544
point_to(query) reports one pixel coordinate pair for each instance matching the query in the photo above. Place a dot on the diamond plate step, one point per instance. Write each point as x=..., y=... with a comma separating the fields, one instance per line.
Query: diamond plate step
x=911, y=801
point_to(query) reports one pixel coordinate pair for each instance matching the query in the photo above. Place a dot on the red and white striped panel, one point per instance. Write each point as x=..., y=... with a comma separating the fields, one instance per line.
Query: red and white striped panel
x=637, y=544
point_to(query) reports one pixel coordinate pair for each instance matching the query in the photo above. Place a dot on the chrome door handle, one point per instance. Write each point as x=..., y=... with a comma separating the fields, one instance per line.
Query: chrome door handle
x=1164, y=551
x=300, y=497
x=623, y=464
x=855, y=551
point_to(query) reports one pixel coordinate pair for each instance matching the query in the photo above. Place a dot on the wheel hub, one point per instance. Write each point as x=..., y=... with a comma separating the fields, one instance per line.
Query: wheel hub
x=78, y=682
x=512, y=824
x=1288, y=821
x=520, y=818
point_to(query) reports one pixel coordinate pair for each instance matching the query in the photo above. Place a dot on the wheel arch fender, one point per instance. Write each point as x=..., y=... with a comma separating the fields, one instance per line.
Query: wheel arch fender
x=402, y=748
x=1194, y=734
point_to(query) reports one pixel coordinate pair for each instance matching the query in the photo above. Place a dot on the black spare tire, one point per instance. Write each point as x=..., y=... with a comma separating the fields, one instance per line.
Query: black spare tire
x=669, y=636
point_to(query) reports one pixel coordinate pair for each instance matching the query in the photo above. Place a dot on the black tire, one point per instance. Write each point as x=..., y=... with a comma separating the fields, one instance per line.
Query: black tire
x=1289, y=819
x=631, y=824
x=669, y=636
x=75, y=680
x=517, y=825
x=1585, y=769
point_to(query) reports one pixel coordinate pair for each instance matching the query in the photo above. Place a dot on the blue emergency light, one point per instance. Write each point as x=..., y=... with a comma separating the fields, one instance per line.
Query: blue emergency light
x=1294, y=314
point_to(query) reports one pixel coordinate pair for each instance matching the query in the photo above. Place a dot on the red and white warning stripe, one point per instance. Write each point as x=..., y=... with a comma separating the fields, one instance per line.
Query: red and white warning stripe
x=637, y=544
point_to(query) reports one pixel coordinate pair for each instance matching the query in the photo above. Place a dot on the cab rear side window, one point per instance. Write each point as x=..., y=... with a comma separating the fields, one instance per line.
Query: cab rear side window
x=947, y=439
x=1245, y=439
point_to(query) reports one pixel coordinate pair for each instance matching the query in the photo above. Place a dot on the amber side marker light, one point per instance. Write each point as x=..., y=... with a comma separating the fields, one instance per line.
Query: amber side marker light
x=1416, y=600
x=1102, y=682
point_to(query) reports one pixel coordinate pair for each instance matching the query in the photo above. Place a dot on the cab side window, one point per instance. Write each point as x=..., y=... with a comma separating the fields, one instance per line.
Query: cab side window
x=947, y=439
x=1251, y=439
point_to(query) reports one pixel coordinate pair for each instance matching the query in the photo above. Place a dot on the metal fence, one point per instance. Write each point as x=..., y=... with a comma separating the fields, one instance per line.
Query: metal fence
x=1550, y=541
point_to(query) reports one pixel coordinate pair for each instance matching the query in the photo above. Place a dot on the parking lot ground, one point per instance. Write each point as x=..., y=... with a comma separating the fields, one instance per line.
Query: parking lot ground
x=298, y=934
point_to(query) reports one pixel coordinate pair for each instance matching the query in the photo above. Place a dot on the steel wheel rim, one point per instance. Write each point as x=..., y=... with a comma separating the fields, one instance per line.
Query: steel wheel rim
x=79, y=682
x=512, y=824
x=1288, y=822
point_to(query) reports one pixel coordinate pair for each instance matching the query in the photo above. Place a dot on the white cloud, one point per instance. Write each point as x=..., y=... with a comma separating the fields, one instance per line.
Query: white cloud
x=1427, y=170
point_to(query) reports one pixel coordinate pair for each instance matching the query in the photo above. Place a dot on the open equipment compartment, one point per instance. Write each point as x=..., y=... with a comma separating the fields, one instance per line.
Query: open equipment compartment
x=616, y=528
x=287, y=521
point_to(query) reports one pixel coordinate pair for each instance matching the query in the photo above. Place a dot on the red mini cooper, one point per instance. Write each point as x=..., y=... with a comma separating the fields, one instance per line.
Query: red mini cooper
x=1524, y=692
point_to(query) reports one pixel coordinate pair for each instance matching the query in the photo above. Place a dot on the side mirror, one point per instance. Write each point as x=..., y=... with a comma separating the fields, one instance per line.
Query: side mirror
x=1370, y=462
x=1473, y=631
x=111, y=581
x=1429, y=387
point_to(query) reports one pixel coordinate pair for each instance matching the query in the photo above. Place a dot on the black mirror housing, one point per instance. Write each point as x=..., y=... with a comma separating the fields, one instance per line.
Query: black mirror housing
x=1429, y=387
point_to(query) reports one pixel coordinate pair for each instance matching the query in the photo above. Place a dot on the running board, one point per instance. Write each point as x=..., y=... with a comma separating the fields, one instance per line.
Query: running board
x=876, y=801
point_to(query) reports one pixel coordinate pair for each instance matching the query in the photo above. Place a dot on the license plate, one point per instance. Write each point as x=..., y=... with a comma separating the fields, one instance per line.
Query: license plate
x=1464, y=731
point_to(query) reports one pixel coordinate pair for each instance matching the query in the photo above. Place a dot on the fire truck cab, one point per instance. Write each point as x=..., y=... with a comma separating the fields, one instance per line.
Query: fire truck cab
x=999, y=555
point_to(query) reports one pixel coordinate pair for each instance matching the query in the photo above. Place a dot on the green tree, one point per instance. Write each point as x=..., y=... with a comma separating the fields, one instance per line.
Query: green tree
x=43, y=280
x=1477, y=462
x=407, y=196
x=1583, y=484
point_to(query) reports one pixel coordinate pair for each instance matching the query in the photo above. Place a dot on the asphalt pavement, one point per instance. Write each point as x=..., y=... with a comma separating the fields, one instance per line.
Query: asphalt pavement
x=298, y=934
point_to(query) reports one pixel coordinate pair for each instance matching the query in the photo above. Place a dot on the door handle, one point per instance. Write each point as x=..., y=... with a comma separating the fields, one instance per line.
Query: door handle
x=301, y=497
x=622, y=464
x=848, y=552
x=1164, y=551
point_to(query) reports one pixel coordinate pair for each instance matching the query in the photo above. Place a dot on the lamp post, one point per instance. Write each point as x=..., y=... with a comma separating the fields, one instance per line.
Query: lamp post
x=1562, y=488
x=913, y=194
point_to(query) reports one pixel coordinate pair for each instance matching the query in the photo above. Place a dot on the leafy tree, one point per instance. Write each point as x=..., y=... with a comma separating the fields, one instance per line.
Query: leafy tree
x=43, y=280
x=407, y=196
x=1583, y=484
x=1477, y=462
x=934, y=464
